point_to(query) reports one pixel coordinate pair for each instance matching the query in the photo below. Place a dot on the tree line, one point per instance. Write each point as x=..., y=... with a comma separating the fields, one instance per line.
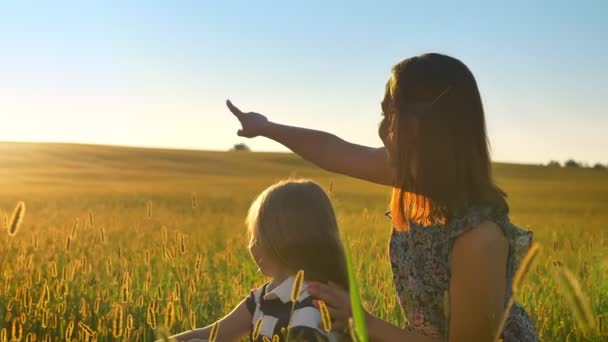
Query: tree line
x=571, y=163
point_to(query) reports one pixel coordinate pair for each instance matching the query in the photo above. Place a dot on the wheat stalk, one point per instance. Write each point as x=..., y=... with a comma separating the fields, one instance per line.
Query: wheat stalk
x=86, y=328
x=297, y=286
x=169, y=315
x=16, y=219
x=124, y=293
x=256, y=330
x=518, y=280
x=35, y=242
x=576, y=298
x=295, y=295
x=74, y=228
x=16, y=330
x=69, y=331
x=117, y=326
x=325, y=317
x=351, y=330
x=182, y=245
x=130, y=322
x=214, y=330
x=151, y=316
x=192, y=319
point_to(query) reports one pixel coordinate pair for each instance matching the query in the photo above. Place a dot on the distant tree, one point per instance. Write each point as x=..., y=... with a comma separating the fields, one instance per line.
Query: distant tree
x=240, y=147
x=554, y=163
x=599, y=166
x=572, y=163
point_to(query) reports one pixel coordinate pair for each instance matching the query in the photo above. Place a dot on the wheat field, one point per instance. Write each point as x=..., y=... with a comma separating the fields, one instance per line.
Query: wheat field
x=116, y=243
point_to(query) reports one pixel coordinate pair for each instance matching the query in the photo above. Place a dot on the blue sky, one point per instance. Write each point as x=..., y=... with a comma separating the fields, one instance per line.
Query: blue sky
x=157, y=73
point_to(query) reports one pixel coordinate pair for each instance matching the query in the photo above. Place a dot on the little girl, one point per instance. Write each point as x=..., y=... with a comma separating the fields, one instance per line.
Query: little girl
x=292, y=227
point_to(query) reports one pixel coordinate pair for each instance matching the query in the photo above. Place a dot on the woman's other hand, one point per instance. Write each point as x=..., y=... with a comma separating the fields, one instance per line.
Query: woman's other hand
x=337, y=300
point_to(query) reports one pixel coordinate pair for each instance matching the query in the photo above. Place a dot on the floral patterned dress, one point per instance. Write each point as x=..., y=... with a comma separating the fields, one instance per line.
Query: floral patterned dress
x=420, y=260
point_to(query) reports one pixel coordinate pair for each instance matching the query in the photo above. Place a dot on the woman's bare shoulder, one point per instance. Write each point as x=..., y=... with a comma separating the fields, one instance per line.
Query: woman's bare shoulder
x=482, y=240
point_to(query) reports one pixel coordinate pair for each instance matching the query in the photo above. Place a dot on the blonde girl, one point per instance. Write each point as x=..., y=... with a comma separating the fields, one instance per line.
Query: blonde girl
x=292, y=227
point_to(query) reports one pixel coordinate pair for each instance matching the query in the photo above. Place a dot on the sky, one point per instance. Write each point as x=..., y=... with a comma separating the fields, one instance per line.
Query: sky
x=157, y=73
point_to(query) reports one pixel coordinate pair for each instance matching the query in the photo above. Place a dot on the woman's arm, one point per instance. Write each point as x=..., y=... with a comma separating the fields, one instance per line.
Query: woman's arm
x=380, y=330
x=231, y=328
x=477, y=285
x=338, y=303
x=323, y=149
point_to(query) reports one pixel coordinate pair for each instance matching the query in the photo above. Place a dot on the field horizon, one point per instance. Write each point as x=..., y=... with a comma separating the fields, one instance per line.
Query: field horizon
x=166, y=226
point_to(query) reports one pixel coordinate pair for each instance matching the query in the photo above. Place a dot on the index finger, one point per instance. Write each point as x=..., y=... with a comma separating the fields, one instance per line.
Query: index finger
x=233, y=108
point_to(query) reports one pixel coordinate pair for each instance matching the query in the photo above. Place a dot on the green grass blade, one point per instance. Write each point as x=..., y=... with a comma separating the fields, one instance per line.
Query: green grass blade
x=355, y=299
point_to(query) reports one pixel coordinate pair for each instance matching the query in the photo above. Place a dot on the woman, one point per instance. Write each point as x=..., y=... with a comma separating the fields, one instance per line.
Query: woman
x=453, y=249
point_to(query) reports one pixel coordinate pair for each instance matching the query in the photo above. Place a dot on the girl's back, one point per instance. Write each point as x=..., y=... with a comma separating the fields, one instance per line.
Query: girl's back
x=277, y=312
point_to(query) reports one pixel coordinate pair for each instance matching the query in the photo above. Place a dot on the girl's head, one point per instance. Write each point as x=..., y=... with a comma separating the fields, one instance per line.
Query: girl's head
x=435, y=133
x=293, y=227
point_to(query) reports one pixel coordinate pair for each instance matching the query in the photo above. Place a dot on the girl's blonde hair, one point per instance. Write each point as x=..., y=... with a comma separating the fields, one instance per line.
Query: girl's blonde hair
x=293, y=221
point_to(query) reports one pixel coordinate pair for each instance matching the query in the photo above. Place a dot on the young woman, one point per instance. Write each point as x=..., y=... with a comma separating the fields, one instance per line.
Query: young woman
x=292, y=227
x=453, y=249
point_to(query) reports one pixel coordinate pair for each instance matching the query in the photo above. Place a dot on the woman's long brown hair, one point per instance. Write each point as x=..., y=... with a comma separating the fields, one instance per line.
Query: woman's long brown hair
x=437, y=130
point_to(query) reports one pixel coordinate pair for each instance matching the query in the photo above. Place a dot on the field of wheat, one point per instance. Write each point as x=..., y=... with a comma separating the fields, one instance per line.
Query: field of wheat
x=116, y=243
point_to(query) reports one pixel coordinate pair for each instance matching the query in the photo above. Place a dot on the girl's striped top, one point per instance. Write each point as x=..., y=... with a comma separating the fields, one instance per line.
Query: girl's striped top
x=274, y=308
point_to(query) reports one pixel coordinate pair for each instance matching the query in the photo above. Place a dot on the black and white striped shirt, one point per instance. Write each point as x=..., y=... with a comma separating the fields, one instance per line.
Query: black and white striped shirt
x=274, y=308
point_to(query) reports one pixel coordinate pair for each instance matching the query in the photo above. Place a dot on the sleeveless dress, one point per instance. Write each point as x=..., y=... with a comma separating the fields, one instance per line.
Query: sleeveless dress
x=420, y=261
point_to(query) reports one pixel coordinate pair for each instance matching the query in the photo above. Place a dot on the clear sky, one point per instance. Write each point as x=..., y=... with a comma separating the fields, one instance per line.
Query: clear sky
x=157, y=73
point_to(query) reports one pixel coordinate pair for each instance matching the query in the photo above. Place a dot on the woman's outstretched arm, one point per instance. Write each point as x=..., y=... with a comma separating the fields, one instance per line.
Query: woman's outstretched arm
x=232, y=327
x=321, y=148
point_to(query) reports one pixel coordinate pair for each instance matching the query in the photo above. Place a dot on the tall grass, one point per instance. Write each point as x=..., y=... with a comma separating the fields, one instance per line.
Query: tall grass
x=118, y=257
x=518, y=281
x=358, y=324
x=16, y=219
x=576, y=298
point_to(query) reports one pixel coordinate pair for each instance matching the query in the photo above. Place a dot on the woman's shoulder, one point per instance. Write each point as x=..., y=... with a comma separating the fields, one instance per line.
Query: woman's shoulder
x=490, y=225
x=484, y=239
x=486, y=217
